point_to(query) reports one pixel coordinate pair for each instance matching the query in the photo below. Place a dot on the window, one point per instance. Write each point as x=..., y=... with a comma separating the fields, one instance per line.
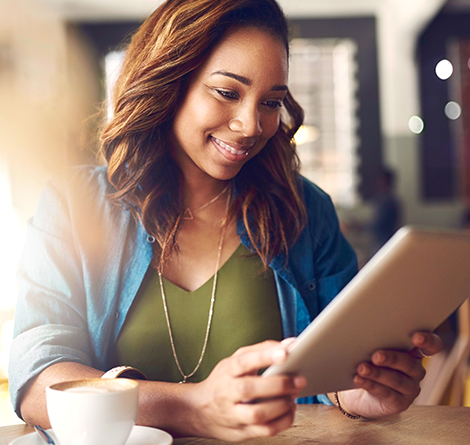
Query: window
x=323, y=81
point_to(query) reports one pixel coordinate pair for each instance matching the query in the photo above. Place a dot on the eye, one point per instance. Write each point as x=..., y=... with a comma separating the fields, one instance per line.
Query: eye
x=273, y=104
x=228, y=94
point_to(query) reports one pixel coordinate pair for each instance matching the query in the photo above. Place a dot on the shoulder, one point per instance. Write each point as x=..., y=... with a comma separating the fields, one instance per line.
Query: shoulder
x=322, y=235
x=319, y=206
x=76, y=197
x=321, y=255
x=87, y=183
x=82, y=179
x=311, y=189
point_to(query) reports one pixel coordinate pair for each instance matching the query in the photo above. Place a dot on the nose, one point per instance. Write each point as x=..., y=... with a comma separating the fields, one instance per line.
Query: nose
x=248, y=123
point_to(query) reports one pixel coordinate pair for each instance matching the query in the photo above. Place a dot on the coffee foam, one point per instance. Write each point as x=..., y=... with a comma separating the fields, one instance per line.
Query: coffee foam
x=91, y=389
x=95, y=386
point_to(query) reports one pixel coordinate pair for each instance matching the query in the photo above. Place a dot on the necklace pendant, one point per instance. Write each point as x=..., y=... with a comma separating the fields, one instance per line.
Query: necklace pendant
x=187, y=215
x=183, y=381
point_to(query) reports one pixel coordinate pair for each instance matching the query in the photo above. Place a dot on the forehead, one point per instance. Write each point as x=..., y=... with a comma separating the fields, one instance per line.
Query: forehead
x=251, y=53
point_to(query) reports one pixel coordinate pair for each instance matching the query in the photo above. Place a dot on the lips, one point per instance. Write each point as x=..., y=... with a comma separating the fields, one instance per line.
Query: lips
x=238, y=150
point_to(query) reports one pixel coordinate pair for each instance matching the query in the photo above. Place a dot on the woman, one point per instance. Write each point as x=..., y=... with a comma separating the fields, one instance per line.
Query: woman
x=202, y=176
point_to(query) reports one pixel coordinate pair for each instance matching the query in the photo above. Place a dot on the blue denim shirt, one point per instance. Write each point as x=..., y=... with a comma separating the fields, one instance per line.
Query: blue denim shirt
x=85, y=258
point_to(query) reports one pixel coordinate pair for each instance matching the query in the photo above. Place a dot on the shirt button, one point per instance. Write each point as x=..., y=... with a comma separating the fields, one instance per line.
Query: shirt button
x=311, y=286
x=150, y=239
x=116, y=315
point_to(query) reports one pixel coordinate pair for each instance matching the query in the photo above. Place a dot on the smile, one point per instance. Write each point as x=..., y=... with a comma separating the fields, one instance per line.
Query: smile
x=231, y=149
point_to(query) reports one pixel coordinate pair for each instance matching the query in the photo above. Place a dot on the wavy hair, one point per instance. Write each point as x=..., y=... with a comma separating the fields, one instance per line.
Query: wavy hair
x=169, y=46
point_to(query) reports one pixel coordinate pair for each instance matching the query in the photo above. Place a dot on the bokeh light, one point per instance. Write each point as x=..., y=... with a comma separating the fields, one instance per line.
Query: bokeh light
x=452, y=110
x=306, y=133
x=444, y=69
x=416, y=124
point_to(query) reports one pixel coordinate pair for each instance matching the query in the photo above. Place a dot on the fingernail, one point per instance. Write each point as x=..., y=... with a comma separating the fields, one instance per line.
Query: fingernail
x=363, y=370
x=300, y=381
x=358, y=380
x=378, y=358
x=287, y=340
x=419, y=338
x=278, y=355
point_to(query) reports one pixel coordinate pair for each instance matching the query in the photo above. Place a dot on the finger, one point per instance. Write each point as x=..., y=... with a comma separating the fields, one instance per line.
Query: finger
x=288, y=341
x=395, y=401
x=272, y=428
x=267, y=344
x=395, y=380
x=404, y=362
x=251, y=388
x=264, y=412
x=250, y=359
x=429, y=343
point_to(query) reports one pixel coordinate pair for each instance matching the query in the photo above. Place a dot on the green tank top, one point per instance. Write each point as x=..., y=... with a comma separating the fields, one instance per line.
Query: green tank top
x=246, y=311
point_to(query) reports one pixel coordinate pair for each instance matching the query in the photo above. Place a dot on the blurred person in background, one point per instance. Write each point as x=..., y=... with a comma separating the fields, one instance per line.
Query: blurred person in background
x=198, y=249
x=387, y=216
x=465, y=219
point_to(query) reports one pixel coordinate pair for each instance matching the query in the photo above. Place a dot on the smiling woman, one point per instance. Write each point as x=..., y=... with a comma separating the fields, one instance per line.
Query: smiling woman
x=165, y=61
x=199, y=247
x=232, y=106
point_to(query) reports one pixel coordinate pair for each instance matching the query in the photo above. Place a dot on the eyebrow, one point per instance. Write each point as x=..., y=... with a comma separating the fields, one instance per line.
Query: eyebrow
x=246, y=81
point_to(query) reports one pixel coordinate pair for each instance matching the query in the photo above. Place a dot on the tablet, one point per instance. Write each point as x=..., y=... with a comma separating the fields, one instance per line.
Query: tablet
x=418, y=278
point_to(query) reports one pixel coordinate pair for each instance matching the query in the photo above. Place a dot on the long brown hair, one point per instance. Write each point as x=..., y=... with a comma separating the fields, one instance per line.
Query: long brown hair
x=170, y=45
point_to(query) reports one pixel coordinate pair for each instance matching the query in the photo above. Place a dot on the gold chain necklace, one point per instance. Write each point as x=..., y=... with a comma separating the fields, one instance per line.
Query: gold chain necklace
x=188, y=215
x=211, y=309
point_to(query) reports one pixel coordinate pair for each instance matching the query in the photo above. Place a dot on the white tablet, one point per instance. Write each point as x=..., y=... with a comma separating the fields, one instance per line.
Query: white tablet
x=412, y=284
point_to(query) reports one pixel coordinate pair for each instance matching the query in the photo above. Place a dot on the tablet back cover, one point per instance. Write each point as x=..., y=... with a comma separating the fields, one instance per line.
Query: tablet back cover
x=412, y=284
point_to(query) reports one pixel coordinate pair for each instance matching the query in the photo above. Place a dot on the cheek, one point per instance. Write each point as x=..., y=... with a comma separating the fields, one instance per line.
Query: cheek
x=206, y=116
x=270, y=125
x=194, y=112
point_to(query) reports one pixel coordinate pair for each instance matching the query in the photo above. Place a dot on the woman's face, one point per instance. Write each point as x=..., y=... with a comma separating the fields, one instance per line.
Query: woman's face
x=232, y=106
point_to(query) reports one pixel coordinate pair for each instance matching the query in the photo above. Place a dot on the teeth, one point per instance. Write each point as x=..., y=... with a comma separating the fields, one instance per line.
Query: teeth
x=229, y=148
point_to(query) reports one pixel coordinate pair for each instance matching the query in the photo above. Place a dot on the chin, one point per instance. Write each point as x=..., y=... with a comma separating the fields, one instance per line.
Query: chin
x=225, y=177
x=224, y=174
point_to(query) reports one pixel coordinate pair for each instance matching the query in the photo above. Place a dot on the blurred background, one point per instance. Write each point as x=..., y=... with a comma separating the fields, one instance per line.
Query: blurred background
x=385, y=85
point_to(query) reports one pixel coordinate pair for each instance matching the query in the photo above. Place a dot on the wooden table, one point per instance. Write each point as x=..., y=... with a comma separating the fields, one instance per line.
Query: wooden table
x=319, y=424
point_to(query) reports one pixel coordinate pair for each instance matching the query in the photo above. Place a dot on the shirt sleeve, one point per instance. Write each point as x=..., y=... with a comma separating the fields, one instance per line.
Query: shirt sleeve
x=322, y=261
x=335, y=260
x=50, y=318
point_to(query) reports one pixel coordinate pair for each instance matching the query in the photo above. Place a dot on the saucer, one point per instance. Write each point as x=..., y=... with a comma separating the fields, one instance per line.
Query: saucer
x=140, y=435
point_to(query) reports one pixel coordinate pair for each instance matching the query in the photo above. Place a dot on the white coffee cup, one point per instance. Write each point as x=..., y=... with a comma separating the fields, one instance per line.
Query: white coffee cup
x=92, y=411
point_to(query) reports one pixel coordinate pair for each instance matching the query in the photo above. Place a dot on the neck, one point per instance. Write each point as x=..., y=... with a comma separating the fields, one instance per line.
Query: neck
x=198, y=192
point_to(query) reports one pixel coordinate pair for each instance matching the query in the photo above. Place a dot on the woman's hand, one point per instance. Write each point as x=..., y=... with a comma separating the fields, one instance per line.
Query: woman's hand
x=389, y=384
x=235, y=404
